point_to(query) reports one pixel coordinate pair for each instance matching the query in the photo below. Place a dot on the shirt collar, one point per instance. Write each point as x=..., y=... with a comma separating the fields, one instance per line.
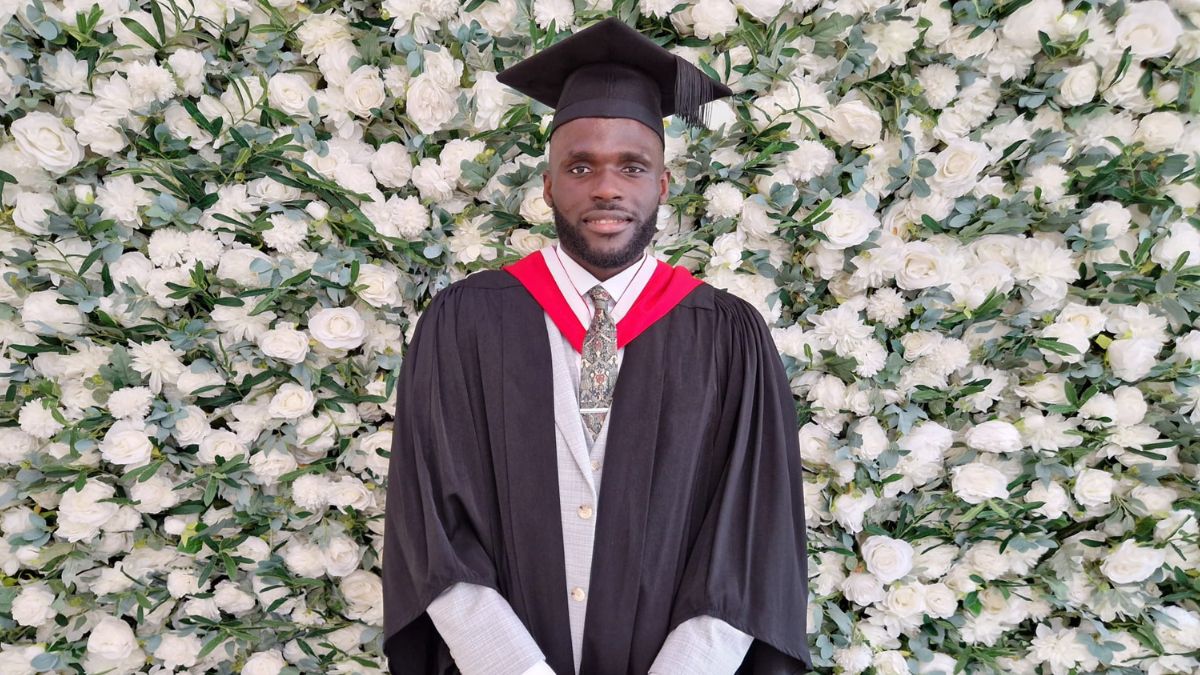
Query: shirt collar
x=574, y=282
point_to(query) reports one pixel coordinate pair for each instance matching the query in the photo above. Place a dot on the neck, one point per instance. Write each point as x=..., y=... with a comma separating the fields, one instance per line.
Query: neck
x=601, y=273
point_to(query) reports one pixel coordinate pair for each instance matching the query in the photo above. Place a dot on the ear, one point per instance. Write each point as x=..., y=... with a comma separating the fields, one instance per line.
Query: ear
x=546, y=189
x=664, y=186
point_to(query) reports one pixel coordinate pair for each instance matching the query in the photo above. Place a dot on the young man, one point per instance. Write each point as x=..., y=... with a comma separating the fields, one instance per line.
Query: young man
x=503, y=555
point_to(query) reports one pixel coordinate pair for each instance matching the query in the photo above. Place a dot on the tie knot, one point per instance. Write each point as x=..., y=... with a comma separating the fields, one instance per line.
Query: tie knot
x=600, y=297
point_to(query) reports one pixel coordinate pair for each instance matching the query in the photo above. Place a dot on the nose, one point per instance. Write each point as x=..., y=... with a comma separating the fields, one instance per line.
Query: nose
x=606, y=186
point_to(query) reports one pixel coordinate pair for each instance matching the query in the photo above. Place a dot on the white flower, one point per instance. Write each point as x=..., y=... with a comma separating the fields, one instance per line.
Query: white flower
x=111, y=639
x=44, y=137
x=887, y=558
x=158, y=361
x=809, y=160
x=364, y=90
x=1131, y=563
x=1132, y=359
x=33, y=605
x=130, y=402
x=220, y=443
x=31, y=211
x=291, y=401
x=1159, y=131
x=849, y=509
x=713, y=18
x=178, y=651
x=285, y=343
x=362, y=589
x=120, y=198
x=1093, y=487
x=853, y=122
x=435, y=182
x=559, y=12
x=49, y=312
x=37, y=420
x=976, y=483
x=268, y=662
x=534, y=208
x=154, y=495
x=850, y=222
x=1148, y=29
x=338, y=327
x=862, y=589
x=1079, y=85
x=957, y=167
x=938, y=81
x=429, y=104
x=890, y=662
x=289, y=92
x=392, y=165
x=126, y=443
x=724, y=200
x=341, y=556
x=923, y=265
x=994, y=436
x=892, y=41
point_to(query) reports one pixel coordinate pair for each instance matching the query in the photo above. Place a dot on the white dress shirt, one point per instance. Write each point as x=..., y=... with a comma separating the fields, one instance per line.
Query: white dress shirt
x=479, y=626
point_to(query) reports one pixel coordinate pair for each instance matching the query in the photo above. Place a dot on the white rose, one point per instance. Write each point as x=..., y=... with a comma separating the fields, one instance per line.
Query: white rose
x=862, y=589
x=850, y=223
x=178, y=651
x=111, y=639
x=33, y=605
x=433, y=180
x=429, y=104
x=392, y=165
x=30, y=212
x=193, y=428
x=44, y=313
x=940, y=601
x=269, y=662
x=304, y=559
x=284, y=343
x=849, y=509
x=890, y=662
x=126, y=443
x=892, y=41
x=976, y=483
x=1079, y=85
x=1154, y=500
x=338, y=327
x=994, y=436
x=1130, y=563
x=362, y=589
x=534, y=208
x=1182, y=238
x=45, y=138
x=154, y=495
x=957, y=167
x=1093, y=487
x=853, y=122
x=341, y=555
x=291, y=401
x=289, y=92
x=923, y=265
x=378, y=286
x=1131, y=359
x=268, y=466
x=888, y=559
x=236, y=263
x=220, y=443
x=1159, y=131
x=363, y=90
x=1148, y=29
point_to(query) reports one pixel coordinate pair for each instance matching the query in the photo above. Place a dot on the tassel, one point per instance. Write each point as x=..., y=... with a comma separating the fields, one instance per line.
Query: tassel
x=693, y=89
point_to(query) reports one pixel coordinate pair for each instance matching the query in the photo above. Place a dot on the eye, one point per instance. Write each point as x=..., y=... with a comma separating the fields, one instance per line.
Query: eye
x=572, y=169
x=636, y=168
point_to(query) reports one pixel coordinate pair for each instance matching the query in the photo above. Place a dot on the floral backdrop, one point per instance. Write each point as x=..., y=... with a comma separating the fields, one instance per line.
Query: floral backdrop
x=971, y=226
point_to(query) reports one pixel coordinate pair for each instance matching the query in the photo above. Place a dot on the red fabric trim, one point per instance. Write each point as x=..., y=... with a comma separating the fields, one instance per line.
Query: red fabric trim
x=668, y=285
x=534, y=274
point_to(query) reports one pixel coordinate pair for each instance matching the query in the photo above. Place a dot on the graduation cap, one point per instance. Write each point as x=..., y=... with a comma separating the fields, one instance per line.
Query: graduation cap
x=611, y=70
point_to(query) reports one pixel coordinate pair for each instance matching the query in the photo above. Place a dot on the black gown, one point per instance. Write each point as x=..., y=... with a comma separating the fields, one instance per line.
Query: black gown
x=700, y=511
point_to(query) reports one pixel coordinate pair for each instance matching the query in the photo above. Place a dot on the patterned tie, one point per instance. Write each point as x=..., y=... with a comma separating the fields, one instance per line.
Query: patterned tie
x=599, y=369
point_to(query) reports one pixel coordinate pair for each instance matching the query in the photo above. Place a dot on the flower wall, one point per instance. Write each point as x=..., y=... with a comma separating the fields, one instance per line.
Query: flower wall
x=971, y=227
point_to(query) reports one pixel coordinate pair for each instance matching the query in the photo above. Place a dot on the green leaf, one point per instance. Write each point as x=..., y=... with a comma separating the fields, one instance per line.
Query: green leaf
x=140, y=31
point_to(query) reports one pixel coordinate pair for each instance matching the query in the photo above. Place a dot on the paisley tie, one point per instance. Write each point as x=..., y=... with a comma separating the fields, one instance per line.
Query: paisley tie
x=598, y=372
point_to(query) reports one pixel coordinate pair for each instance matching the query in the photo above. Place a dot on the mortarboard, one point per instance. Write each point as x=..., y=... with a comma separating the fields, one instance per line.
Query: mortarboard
x=611, y=70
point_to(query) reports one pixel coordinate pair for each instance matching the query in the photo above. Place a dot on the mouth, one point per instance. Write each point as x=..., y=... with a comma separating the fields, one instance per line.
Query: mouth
x=608, y=224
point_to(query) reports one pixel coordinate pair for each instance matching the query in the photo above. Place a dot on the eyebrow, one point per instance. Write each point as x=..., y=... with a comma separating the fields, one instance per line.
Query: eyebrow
x=626, y=156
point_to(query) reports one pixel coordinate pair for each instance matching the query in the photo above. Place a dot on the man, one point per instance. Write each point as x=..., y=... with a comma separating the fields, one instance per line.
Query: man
x=502, y=553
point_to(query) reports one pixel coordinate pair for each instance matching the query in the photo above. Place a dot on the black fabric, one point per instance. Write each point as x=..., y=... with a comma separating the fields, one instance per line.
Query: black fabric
x=700, y=510
x=610, y=69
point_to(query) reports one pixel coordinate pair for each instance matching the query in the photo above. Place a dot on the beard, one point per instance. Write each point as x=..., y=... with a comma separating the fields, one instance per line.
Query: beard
x=571, y=239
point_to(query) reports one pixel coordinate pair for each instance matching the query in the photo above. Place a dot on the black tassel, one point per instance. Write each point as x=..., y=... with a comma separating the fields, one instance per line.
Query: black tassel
x=693, y=89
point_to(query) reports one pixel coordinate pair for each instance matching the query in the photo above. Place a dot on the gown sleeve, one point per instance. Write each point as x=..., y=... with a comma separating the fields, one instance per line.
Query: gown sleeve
x=439, y=518
x=748, y=566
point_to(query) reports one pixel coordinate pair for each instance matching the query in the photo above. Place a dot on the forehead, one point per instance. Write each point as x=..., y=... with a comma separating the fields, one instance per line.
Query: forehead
x=604, y=137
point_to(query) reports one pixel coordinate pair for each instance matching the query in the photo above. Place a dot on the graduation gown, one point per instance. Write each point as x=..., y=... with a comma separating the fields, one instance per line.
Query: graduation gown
x=701, y=508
